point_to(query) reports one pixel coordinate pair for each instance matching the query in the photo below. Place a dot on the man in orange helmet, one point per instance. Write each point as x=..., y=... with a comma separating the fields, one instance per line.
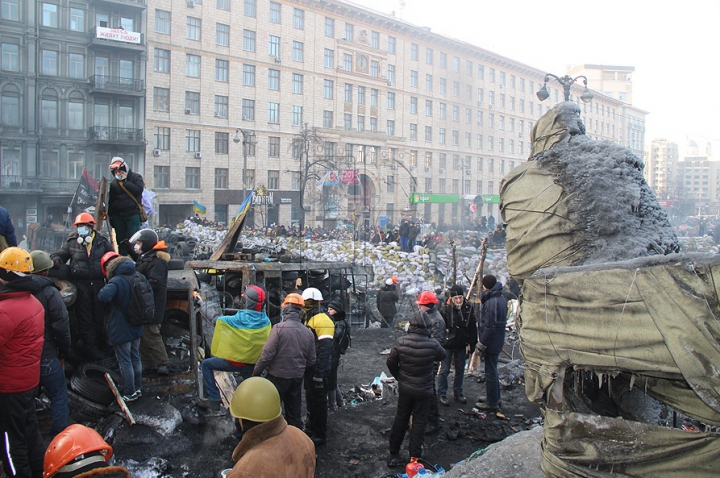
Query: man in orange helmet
x=427, y=302
x=84, y=249
x=80, y=451
x=289, y=350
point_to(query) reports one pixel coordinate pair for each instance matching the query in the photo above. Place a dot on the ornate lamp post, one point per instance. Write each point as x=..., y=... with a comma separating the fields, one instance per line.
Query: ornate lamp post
x=566, y=83
x=248, y=138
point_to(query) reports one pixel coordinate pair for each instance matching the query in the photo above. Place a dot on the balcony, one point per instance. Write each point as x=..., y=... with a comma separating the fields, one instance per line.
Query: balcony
x=117, y=38
x=141, y=4
x=14, y=184
x=116, y=85
x=107, y=135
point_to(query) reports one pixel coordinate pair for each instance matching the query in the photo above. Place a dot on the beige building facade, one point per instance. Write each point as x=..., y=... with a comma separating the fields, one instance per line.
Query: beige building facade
x=425, y=124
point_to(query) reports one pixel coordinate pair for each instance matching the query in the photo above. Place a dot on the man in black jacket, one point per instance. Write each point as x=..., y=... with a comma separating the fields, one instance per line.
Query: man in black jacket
x=428, y=302
x=387, y=298
x=124, y=201
x=492, y=338
x=461, y=330
x=404, y=231
x=411, y=362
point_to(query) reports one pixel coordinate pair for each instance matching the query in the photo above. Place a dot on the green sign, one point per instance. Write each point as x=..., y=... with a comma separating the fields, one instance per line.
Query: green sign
x=490, y=199
x=420, y=198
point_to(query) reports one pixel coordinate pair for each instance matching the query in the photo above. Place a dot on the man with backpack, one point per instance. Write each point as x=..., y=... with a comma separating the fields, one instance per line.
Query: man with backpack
x=341, y=342
x=122, y=335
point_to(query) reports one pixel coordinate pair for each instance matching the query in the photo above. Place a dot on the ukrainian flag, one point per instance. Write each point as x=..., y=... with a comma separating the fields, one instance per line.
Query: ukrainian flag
x=245, y=206
x=199, y=208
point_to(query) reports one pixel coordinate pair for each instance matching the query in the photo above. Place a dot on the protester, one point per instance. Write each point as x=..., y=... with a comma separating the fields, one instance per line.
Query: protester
x=413, y=232
x=57, y=341
x=80, y=451
x=461, y=332
x=404, y=231
x=316, y=378
x=22, y=324
x=84, y=249
x=7, y=230
x=387, y=298
x=427, y=302
x=412, y=362
x=288, y=352
x=236, y=345
x=492, y=338
x=153, y=264
x=123, y=337
x=341, y=341
x=124, y=201
x=269, y=447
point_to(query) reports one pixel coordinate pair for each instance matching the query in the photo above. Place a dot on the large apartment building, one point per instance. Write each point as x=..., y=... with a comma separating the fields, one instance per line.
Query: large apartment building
x=371, y=117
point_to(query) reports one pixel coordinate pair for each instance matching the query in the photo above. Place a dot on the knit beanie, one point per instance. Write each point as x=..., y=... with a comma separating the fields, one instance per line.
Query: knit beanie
x=489, y=281
x=254, y=298
x=456, y=290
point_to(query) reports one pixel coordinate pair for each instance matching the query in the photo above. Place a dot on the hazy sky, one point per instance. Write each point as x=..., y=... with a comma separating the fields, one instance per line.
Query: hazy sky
x=673, y=45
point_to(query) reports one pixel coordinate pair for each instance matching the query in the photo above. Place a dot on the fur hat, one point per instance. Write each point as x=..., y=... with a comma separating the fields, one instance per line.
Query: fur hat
x=489, y=281
x=254, y=298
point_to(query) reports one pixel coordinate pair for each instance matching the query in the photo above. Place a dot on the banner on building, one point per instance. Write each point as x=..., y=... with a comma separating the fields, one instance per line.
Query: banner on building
x=333, y=178
x=420, y=198
x=490, y=199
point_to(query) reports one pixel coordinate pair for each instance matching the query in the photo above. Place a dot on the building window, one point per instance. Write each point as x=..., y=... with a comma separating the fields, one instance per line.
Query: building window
x=273, y=79
x=273, y=113
x=274, y=46
x=192, y=178
x=349, y=32
x=76, y=115
x=11, y=57
x=221, y=178
x=49, y=15
x=374, y=68
x=481, y=72
x=248, y=75
x=250, y=9
x=491, y=142
x=375, y=40
x=491, y=75
x=223, y=4
x=162, y=138
x=428, y=82
x=390, y=100
x=456, y=113
x=443, y=60
x=413, y=78
x=192, y=140
x=273, y=179
x=222, y=70
x=222, y=34
x=390, y=184
x=295, y=180
x=192, y=102
x=373, y=124
x=329, y=27
x=441, y=185
x=274, y=146
x=441, y=135
x=221, y=106
x=391, y=74
x=161, y=99
x=162, y=22
x=413, y=105
x=468, y=92
x=391, y=45
x=77, y=20
x=327, y=119
x=413, y=131
x=297, y=114
x=456, y=64
x=192, y=28
x=298, y=18
x=248, y=40
x=468, y=140
x=221, y=142
x=361, y=124
x=192, y=65
x=361, y=95
x=348, y=93
x=443, y=110
x=297, y=51
x=161, y=63
x=456, y=89
x=347, y=62
x=328, y=89
x=429, y=56
x=10, y=10
x=374, y=96
x=49, y=165
x=414, y=51
x=329, y=58
x=248, y=110
x=275, y=12
x=456, y=137
x=297, y=84
x=428, y=133
x=479, y=143
x=347, y=121
x=161, y=176
x=390, y=128
x=49, y=63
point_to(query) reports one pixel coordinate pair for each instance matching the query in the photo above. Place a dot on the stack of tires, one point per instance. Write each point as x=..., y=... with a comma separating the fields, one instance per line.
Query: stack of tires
x=90, y=395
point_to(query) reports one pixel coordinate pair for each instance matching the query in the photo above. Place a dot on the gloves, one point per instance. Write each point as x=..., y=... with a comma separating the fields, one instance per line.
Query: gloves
x=318, y=384
x=56, y=263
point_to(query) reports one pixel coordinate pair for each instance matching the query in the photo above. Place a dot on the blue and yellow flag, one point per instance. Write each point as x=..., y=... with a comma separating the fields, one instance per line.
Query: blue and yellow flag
x=199, y=208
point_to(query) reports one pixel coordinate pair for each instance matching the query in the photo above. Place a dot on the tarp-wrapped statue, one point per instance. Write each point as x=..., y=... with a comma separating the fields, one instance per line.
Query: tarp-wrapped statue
x=616, y=327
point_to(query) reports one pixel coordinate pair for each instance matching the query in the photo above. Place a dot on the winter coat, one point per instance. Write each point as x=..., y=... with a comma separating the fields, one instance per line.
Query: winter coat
x=404, y=228
x=7, y=230
x=436, y=325
x=412, y=357
x=274, y=449
x=322, y=326
x=290, y=349
x=387, y=298
x=119, y=202
x=493, y=318
x=117, y=292
x=413, y=232
x=154, y=266
x=460, y=325
x=82, y=266
x=57, y=319
x=22, y=326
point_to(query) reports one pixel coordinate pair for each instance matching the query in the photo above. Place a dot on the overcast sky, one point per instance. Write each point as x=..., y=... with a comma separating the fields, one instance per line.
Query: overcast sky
x=673, y=45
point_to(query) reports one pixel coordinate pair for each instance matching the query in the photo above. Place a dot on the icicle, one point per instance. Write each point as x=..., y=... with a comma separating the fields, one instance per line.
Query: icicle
x=632, y=381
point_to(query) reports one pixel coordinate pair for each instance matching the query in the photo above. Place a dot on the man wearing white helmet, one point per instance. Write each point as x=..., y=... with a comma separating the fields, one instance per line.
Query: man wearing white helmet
x=316, y=378
x=124, y=202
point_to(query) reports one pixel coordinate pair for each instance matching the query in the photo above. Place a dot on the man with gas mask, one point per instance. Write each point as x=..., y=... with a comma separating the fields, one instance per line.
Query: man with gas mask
x=83, y=249
x=125, y=202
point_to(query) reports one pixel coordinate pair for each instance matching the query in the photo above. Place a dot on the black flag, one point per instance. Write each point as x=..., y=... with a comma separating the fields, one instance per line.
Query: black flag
x=87, y=189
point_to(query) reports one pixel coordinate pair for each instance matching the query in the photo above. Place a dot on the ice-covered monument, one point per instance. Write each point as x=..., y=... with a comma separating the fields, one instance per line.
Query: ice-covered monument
x=618, y=331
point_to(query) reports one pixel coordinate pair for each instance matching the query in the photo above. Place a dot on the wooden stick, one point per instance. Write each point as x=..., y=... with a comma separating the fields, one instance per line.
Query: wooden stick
x=120, y=401
x=479, y=270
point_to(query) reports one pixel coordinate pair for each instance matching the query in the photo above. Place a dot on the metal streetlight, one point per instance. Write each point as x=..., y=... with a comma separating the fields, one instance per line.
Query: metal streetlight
x=566, y=83
x=248, y=138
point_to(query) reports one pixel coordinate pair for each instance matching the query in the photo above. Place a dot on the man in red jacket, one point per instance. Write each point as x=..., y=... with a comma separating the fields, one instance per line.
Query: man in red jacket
x=22, y=327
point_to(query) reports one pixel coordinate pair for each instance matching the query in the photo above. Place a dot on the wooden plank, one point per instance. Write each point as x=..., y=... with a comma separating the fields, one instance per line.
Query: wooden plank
x=120, y=401
x=227, y=384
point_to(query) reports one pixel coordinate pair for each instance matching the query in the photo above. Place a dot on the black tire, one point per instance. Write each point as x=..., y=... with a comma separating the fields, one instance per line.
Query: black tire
x=182, y=249
x=89, y=382
x=176, y=265
x=85, y=410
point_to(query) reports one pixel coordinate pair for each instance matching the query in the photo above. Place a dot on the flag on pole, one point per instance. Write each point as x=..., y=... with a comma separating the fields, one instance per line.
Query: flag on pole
x=86, y=193
x=199, y=208
x=245, y=206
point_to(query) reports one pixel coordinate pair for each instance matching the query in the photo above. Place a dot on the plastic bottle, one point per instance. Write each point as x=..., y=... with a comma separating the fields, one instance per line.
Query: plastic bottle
x=413, y=468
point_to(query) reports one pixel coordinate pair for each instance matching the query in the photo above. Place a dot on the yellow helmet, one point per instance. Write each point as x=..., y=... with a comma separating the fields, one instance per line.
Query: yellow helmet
x=256, y=399
x=16, y=259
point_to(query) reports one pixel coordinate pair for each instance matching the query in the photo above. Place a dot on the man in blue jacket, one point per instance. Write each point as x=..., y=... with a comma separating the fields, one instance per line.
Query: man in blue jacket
x=7, y=230
x=492, y=338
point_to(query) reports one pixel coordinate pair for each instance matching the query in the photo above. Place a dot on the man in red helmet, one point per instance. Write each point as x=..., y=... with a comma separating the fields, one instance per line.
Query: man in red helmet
x=124, y=202
x=84, y=248
x=80, y=451
x=427, y=301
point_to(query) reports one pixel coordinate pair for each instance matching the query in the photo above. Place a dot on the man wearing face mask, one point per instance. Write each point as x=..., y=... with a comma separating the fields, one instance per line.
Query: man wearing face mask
x=84, y=249
x=289, y=350
x=124, y=202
